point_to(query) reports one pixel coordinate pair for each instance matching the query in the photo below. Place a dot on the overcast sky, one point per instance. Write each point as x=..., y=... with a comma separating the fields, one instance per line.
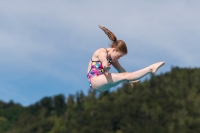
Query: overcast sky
x=45, y=45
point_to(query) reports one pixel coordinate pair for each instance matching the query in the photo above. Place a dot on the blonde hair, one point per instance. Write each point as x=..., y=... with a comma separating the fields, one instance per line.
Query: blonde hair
x=118, y=44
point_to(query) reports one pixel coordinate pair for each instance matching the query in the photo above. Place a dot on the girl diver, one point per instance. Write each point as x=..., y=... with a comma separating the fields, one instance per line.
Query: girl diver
x=98, y=76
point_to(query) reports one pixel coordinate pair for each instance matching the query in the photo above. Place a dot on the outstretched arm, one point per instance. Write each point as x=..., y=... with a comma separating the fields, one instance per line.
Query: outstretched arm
x=118, y=67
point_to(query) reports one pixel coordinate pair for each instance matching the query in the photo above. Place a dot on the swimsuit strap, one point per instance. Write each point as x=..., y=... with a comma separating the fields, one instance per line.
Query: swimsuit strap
x=95, y=61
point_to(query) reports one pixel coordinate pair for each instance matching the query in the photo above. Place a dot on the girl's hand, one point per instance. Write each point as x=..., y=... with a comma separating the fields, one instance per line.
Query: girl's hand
x=131, y=82
x=106, y=69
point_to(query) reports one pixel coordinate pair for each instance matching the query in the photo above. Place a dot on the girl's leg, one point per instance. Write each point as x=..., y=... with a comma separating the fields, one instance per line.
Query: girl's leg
x=104, y=82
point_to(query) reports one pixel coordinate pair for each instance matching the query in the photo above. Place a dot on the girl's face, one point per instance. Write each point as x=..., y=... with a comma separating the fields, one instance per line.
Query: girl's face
x=116, y=55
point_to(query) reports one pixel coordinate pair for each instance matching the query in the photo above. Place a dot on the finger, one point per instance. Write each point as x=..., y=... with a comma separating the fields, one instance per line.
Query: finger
x=106, y=72
x=106, y=66
x=132, y=85
x=134, y=81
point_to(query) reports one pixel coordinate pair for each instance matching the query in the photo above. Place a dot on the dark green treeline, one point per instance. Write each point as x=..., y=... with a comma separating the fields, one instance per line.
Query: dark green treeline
x=167, y=103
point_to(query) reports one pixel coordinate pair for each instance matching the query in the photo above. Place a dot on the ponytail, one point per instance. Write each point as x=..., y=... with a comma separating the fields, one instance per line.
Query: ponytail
x=118, y=44
x=110, y=35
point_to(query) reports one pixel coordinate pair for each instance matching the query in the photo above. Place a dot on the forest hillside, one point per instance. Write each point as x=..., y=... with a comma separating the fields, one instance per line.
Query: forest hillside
x=165, y=103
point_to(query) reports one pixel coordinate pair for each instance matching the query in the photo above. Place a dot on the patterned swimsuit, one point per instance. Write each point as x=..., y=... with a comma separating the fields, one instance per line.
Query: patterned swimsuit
x=96, y=69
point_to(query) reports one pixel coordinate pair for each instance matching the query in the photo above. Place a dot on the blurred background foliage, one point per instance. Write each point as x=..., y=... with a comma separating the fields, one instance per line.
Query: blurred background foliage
x=165, y=103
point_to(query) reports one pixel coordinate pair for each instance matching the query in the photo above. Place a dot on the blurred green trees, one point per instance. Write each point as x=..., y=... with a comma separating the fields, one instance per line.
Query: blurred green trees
x=167, y=103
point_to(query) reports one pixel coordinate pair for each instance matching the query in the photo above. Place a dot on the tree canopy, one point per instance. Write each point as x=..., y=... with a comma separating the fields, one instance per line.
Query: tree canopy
x=166, y=103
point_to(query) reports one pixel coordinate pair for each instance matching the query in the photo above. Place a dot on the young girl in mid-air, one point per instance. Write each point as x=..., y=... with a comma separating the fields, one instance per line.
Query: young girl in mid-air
x=99, y=65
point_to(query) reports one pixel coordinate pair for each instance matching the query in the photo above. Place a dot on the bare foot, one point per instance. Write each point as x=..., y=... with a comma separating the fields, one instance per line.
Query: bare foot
x=156, y=66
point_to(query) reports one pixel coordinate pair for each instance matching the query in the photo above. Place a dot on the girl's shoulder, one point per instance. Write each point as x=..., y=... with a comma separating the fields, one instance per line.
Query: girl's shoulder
x=98, y=52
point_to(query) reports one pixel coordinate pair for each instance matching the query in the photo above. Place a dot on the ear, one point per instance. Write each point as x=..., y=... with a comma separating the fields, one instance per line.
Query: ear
x=114, y=50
